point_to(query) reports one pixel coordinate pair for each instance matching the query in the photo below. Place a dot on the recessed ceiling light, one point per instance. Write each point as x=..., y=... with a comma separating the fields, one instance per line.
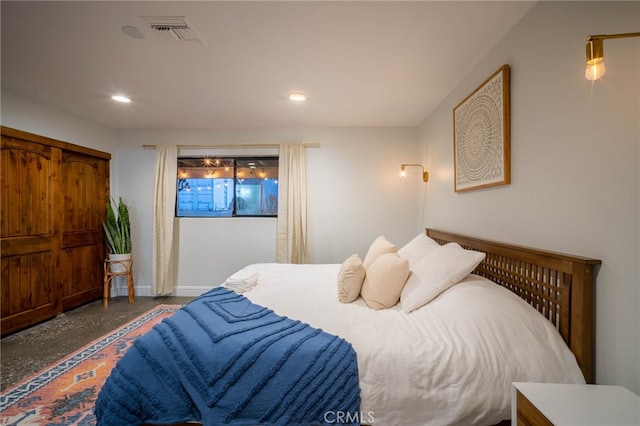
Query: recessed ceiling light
x=297, y=97
x=120, y=98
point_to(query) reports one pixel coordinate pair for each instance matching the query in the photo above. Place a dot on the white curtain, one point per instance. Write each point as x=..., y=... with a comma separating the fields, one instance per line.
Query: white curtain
x=291, y=243
x=164, y=236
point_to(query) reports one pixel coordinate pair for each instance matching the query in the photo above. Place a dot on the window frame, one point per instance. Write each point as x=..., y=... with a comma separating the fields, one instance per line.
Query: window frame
x=234, y=161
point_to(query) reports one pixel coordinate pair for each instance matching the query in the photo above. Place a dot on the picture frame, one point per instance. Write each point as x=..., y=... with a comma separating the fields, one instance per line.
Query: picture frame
x=481, y=135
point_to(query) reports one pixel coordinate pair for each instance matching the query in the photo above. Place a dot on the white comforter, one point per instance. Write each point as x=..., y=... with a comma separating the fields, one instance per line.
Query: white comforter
x=449, y=362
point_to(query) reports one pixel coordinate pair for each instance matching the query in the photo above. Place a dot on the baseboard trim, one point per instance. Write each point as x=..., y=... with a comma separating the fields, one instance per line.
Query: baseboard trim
x=185, y=291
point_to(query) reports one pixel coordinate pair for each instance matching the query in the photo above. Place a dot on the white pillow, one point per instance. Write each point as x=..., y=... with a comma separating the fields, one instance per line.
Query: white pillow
x=436, y=272
x=415, y=249
x=379, y=247
x=384, y=280
x=350, y=279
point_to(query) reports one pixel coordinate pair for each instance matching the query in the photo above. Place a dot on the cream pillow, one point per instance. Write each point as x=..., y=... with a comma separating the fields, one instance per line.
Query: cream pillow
x=384, y=280
x=436, y=272
x=350, y=279
x=417, y=248
x=379, y=247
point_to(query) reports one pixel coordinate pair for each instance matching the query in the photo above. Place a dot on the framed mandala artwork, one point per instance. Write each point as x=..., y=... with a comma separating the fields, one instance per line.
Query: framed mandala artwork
x=481, y=135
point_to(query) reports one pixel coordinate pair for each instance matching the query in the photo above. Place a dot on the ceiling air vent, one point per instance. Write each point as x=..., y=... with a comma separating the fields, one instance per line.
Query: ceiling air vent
x=172, y=28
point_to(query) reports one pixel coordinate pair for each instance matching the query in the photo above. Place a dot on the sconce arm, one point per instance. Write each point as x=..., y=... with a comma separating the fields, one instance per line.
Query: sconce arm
x=425, y=174
x=609, y=36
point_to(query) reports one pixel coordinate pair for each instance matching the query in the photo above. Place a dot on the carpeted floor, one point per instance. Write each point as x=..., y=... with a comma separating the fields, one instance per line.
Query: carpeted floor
x=28, y=351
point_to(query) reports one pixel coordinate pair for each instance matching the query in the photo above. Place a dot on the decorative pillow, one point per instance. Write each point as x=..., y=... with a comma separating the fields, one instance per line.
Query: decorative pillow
x=415, y=249
x=350, y=279
x=436, y=272
x=384, y=280
x=379, y=247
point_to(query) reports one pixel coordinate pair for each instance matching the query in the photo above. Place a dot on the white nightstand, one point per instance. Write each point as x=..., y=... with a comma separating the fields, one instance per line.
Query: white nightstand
x=575, y=405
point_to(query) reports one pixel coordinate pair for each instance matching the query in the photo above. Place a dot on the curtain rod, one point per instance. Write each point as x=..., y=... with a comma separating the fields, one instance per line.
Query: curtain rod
x=241, y=145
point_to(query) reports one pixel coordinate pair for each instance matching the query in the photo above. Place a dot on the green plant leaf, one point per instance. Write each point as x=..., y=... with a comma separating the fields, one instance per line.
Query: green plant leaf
x=117, y=227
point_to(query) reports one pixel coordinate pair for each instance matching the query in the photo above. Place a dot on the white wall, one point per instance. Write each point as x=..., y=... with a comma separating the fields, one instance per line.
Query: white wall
x=575, y=162
x=355, y=194
x=31, y=116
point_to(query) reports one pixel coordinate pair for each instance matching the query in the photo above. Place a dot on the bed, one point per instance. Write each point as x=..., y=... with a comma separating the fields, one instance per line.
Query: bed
x=522, y=314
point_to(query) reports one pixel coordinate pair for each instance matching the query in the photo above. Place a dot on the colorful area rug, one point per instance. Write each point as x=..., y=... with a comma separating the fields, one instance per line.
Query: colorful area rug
x=65, y=392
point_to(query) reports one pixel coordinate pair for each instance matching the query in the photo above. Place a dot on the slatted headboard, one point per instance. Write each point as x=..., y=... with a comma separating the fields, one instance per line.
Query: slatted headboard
x=560, y=286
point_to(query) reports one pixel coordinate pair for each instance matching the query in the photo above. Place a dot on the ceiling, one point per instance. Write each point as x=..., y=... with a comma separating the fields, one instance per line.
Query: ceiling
x=382, y=63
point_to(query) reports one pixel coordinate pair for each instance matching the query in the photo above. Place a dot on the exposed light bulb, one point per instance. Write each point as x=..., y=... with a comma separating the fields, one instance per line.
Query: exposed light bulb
x=595, y=69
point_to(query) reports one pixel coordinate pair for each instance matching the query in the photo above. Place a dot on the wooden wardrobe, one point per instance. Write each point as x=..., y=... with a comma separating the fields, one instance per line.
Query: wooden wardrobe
x=53, y=198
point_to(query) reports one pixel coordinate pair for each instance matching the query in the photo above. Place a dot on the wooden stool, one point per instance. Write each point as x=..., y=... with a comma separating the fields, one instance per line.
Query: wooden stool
x=109, y=275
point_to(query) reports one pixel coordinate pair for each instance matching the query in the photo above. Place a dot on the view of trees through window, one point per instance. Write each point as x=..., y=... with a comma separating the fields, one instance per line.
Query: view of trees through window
x=227, y=187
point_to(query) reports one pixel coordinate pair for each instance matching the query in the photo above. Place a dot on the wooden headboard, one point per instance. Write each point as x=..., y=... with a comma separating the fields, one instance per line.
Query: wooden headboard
x=560, y=286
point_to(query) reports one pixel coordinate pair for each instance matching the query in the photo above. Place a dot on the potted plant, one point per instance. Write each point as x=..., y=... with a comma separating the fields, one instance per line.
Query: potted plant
x=117, y=231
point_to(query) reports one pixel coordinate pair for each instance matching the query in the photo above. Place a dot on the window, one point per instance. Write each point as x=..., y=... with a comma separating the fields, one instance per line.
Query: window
x=227, y=187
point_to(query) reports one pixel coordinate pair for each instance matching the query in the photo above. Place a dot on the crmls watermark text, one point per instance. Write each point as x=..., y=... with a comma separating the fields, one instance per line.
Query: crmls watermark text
x=347, y=417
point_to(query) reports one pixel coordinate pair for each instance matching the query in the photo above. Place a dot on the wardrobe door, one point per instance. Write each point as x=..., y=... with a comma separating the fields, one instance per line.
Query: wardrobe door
x=84, y=184
x=29, y=233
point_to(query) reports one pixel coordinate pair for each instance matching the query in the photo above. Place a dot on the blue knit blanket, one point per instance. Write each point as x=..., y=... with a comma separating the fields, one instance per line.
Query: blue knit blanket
x=224, y=360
